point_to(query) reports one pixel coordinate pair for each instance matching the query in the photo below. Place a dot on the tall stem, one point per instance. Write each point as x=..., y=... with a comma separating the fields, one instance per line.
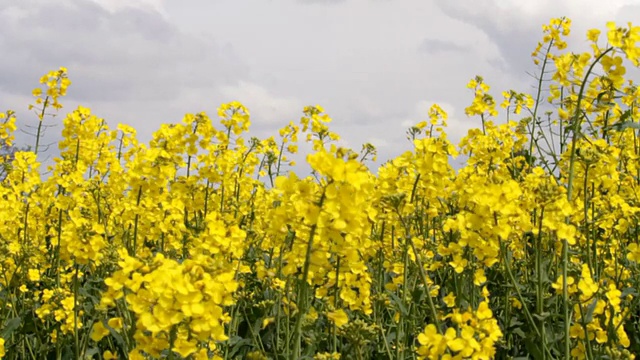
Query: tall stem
x=304, y=288
x=534, y=116
x=40, y=118
x=76, y=342
x=575, y=134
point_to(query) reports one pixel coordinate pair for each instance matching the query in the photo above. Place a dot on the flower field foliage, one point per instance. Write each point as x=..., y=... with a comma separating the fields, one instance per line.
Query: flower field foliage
x=203, y=244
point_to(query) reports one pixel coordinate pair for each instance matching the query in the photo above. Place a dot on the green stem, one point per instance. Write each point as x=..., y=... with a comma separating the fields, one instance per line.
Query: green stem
x=335, y=305
x=423, y=277
x=41, y=118
x=537, y=103
x=540, y=293
x=76, y=342
x=575, y=132
x=304, y=287
x=517, y=287
x=135, y=224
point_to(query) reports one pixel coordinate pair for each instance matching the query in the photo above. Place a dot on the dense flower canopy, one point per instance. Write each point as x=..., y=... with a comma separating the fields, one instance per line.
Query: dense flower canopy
x=205, y=244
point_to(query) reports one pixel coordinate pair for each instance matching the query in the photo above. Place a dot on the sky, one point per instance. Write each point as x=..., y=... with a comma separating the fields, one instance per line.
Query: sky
x=376, y=66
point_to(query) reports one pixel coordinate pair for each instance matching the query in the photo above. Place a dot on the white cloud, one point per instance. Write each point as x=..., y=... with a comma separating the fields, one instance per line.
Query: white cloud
x=457, y=125
x=265, y=107
x=15, y=13
x=379, y=143
x=115, y=5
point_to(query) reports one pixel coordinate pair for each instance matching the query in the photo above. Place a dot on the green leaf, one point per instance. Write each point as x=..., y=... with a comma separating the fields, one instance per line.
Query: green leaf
x=238, y=344
x=91, y=352
x=628, y=291
x=589, y=315
x=533, y=347
x=418, y=295
x=625, y=122
x=10, y=326
x=542, y=316
x=399, y=303
x=632, y=125
x=116, y=335
x=626, y=125
x=515, y=322
x=625, y=115
x=519, y=332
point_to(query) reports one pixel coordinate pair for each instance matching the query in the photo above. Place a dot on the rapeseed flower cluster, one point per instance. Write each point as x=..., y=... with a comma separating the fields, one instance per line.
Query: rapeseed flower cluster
x=204, y=244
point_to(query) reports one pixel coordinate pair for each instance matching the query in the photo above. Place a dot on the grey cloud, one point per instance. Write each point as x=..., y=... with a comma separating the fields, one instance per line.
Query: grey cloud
x=435, y=46
x=365, y=65
x=110, y=56
x=628, y=13
x=321, y=1
x=515, y=37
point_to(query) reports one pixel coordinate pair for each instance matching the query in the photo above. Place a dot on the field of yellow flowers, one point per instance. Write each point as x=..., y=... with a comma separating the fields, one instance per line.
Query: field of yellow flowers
x=203, y=244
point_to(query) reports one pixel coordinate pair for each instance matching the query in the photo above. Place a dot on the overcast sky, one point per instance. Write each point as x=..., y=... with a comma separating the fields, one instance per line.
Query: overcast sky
x=374, y=65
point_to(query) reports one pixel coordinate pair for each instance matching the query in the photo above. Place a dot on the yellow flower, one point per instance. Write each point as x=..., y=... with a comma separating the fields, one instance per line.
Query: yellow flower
x=614, y=35
x=516, y=303
x=33, y=275
x=458, y=263
x=432, y=344
x=454, y=343
x=184, y=347
x=115, y=323
x=559, y=284
x=327, y=356
x=484, y=312
x=338, y=317
x=98, y=331
x=479, y=278
x=634, y=253
x=593, y=35
x=567, y=232
x=613, y=294
x=586, y=284
x=450, y=300
x=267, y=321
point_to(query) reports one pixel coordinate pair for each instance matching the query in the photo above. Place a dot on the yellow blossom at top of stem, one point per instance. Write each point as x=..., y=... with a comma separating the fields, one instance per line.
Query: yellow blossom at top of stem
x=593, y=35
